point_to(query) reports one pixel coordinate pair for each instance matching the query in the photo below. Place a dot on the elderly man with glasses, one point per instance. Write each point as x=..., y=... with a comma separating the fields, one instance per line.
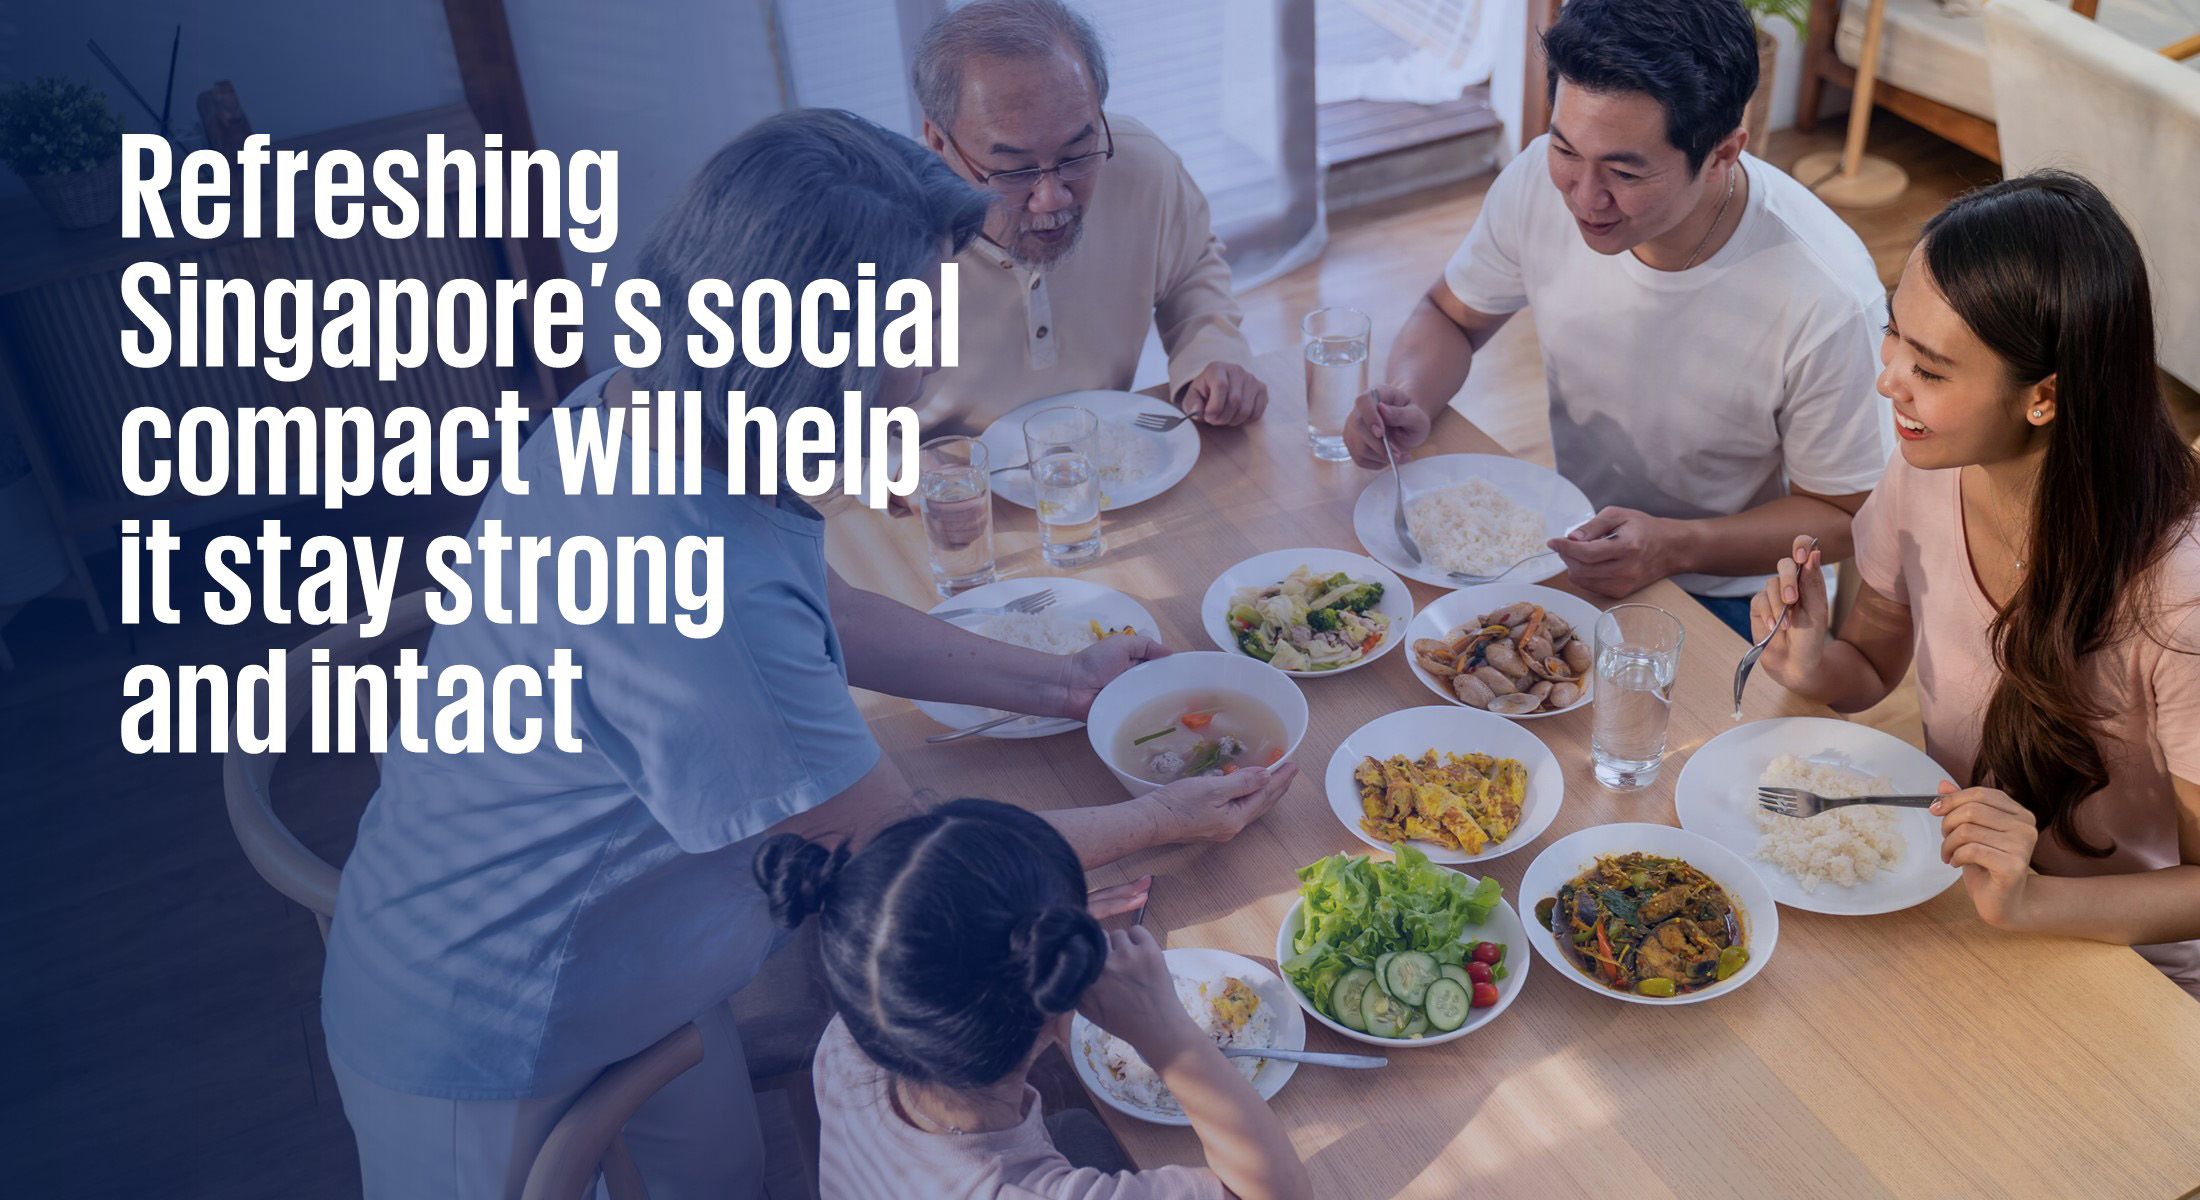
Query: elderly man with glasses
x=1095, y=235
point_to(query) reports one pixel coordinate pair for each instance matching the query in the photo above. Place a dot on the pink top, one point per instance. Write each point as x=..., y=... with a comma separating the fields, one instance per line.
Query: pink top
x=2152, y=734
x=868, y=1151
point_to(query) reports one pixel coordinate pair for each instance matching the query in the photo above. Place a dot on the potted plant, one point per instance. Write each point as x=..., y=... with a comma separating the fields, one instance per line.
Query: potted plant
x=65, y=140
x=1758, y=115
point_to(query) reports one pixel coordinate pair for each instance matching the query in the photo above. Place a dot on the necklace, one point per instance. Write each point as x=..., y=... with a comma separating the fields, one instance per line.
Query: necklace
x=1715, y=219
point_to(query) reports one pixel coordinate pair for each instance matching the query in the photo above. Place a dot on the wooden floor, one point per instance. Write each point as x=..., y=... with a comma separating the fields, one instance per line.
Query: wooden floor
x=162, y=1001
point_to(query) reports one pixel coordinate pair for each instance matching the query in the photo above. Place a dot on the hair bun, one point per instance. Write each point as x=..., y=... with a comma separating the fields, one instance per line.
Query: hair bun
x=796, y=874
x=1062, y=951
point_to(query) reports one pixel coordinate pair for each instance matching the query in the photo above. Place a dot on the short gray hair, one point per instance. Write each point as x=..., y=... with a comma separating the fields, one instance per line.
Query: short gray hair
x=804, y=195
x=999, y=29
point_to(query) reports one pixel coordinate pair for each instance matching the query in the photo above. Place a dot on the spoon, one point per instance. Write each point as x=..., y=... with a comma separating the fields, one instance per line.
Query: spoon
x=1312, y=1058
x=1398, y=512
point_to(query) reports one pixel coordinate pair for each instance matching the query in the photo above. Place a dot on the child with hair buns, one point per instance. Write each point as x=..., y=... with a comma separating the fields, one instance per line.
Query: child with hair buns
x=955, y=946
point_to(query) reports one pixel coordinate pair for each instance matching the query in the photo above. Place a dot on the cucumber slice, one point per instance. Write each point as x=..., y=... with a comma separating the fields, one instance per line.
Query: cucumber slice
x=1408, y=975
x=1416, y=1027
x=1458, y=975
x=1385, y=1017
x=1344, y=999
x=1382, y=970
x=1448, y=1001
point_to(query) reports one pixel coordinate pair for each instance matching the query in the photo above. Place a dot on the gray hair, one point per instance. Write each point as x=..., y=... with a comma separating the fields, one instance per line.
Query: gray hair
x=802, y=196
x=999, y=29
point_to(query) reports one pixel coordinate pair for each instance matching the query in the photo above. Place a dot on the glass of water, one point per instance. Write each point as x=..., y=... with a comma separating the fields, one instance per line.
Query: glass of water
x=1336, y=376
x=1064, y=484
x=1638, y=656
x=958, y=512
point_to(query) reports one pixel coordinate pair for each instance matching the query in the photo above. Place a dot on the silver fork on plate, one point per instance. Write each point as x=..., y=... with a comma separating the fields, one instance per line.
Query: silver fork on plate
x=1398, y=512
x=1038, y=601
x=1795, y=802
x=1757, y=651
x=1312, y=1058
x=1154, y=422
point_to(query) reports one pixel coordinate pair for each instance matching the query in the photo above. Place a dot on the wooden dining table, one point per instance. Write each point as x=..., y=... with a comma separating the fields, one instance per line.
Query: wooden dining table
x=1920, y=1053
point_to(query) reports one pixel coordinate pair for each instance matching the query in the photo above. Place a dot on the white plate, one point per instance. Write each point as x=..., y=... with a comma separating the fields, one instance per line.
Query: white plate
x=1461, y=730
x=1178, y=449
x=1198, y=963
x=1561, y=503
x=1716, y=796
x=1458, y=608
x=1578, y=851
x=1503, y=927
x=1075, y=598
x=1263, y=569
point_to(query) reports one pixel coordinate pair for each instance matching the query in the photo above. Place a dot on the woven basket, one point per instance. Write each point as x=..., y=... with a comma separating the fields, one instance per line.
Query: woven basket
x=81, y=199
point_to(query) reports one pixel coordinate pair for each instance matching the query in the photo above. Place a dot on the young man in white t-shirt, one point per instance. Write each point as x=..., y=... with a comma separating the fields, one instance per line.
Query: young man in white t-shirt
x=1709, y=328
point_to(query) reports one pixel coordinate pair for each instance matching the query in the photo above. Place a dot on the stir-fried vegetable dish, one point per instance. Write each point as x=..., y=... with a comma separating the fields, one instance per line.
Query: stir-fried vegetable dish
x=1647, y=924
x=1309, y=622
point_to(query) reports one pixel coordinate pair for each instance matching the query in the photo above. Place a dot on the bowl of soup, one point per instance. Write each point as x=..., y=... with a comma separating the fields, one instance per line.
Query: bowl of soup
x=1193, y=714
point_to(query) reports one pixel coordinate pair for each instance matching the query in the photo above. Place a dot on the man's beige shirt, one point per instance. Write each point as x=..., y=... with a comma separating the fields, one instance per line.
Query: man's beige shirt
x=1147, y=258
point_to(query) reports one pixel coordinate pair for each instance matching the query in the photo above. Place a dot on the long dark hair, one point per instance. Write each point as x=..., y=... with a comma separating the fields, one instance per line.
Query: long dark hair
x=2049, y=277
x=949, y=941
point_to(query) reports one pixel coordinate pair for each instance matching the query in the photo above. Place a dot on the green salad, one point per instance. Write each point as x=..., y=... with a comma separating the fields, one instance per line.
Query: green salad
x=1309, y=622
x=1383, y=947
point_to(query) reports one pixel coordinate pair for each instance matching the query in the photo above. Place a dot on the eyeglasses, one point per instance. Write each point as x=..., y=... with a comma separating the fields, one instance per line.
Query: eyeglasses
x=1024, y=181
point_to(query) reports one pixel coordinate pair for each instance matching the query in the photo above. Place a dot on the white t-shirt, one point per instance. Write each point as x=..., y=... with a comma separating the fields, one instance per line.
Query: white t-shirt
x=1697, y=393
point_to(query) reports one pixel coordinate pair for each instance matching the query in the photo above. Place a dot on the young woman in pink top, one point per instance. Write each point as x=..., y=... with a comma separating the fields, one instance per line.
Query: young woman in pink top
x=955, y=947
x=2033, y=551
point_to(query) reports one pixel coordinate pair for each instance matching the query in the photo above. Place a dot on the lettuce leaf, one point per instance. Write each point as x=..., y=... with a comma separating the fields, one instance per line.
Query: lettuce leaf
x=1357, y=909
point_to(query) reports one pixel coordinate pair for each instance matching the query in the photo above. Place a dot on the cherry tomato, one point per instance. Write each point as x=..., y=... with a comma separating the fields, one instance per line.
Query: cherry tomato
x=1485, y=995
x=1479, y=972
x=1488, y=952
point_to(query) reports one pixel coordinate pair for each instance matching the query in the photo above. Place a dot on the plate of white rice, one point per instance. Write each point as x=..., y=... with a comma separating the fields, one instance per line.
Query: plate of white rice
x=1853, y=861
x=1133, y=465
x=1236, y=1001
x=1478, y=514
x=1082, y=610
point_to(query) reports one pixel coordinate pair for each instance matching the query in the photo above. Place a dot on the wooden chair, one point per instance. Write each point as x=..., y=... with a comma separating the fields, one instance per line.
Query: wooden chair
x=587, y=1140
x=1822, y=65
x=248, y=779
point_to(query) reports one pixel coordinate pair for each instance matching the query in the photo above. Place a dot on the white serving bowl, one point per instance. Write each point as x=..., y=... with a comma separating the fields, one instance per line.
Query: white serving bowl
x=1411, y=731
x=1264, y=569
x=1578, y=851
x=1504, y=927
x=1456, y=609
x=1187, y=671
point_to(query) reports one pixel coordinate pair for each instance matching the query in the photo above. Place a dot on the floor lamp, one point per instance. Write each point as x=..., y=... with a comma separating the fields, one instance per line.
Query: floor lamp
x=1850, y=178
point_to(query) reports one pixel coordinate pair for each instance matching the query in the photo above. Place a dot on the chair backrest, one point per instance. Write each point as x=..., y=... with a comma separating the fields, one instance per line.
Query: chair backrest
x=586, y=1140
x=247, y=779
x=2071, y=94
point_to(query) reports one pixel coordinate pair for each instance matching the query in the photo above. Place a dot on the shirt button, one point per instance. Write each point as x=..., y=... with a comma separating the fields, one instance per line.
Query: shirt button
x=1042, y=331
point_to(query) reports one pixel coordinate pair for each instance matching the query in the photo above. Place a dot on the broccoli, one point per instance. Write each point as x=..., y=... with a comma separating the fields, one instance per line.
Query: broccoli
x=1361, y=598
x=1323, y=620
x=1256, y=643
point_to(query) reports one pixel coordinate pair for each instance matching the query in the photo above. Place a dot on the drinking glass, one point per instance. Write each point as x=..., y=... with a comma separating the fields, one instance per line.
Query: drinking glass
x=1638, y=655
x=958, y=512
x=1336, y=376
x=1065, y=486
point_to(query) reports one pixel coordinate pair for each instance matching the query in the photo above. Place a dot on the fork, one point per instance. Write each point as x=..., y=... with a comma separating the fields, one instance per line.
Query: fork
x=1757, y=650
x=1038, y=601
x=1795, y=802
x=1463, y=577
x=1154, y=422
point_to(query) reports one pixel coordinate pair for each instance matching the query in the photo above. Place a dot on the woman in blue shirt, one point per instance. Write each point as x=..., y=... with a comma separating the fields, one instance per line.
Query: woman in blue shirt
x=509, y=924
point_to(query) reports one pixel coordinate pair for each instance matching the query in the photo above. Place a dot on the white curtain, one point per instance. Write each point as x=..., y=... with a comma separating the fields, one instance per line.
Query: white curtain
x=1228, y=84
